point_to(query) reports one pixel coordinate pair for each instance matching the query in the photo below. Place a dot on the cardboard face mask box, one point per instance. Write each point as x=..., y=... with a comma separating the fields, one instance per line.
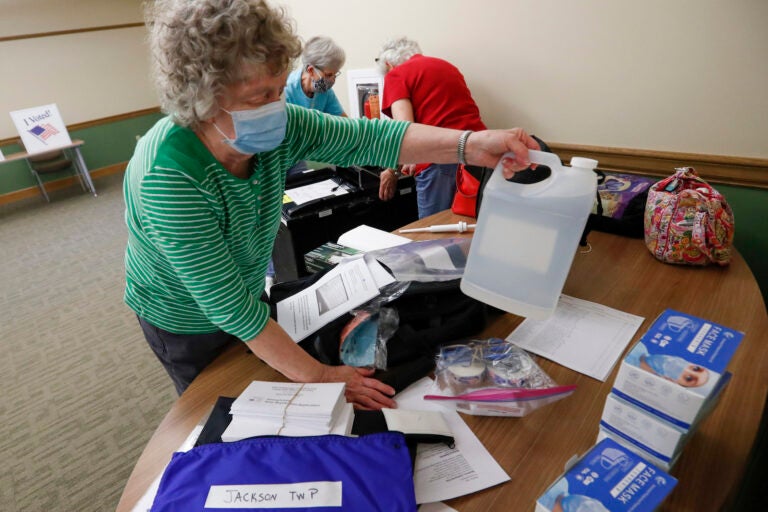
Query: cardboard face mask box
x=642, y=432
x=648, y=456
x=608, y=478
x=676, y=366
x=647, y=434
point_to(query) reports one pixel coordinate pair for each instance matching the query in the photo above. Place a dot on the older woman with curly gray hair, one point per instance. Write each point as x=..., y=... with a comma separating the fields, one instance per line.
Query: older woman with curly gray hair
x=310, y=86
x=204, y=188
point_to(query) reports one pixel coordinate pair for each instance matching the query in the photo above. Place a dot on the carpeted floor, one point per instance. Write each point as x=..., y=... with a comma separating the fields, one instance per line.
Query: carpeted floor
x=80, y=392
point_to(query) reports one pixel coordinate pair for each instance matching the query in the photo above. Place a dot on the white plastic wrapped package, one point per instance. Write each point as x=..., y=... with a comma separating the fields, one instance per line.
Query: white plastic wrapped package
x=427, y=260
x=493, y=377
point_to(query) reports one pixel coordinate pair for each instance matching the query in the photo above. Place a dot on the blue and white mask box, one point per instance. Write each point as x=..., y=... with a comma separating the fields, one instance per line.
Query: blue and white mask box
x=608, y=478
x=644, y=433
x=647, y=434
x=650, y=457
x=676, y=366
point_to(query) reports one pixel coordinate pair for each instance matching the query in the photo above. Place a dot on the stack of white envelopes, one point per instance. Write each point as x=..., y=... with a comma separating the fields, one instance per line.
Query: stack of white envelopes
x=289, y=409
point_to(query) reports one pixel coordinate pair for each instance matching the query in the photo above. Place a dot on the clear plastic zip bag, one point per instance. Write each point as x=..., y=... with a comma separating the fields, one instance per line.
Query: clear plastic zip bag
x=493, y=377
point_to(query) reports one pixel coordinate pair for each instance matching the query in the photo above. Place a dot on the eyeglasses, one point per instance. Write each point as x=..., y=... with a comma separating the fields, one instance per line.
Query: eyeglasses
x=330, y=76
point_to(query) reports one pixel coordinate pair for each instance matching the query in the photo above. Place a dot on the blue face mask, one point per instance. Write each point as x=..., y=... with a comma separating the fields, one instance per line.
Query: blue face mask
x=669, y=366
x=258, y=130
x=579, y=503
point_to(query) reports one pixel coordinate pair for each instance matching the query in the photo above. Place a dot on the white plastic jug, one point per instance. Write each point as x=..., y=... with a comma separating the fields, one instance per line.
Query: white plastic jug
x=527, y=235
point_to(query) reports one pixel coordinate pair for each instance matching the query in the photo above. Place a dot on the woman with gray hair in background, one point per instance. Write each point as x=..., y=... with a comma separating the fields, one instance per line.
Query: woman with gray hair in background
x=204, y=189
x=310, y=86
x=430, y=91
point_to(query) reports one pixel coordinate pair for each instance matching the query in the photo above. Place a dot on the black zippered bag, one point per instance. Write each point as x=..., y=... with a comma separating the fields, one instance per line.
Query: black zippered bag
x=431, y=314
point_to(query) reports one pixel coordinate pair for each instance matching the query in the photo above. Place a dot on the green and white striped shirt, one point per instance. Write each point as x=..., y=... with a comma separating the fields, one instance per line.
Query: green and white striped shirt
x=200, y=239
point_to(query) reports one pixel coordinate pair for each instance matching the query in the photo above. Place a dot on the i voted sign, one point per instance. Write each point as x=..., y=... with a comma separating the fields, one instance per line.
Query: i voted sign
x=41, y=128
x=272, y=496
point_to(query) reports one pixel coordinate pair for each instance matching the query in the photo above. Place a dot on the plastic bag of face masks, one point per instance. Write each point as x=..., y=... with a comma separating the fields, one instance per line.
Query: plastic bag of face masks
x=493, y=377
x=363, y=341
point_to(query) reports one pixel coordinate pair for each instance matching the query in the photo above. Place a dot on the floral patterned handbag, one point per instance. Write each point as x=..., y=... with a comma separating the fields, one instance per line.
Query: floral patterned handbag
x=687, y=221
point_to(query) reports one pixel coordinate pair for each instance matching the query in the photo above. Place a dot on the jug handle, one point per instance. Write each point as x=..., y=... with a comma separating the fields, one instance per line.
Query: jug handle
x=551, y=160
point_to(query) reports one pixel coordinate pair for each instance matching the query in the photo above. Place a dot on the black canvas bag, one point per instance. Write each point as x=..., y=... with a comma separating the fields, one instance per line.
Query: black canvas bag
x=431, y=314
x=620, y=204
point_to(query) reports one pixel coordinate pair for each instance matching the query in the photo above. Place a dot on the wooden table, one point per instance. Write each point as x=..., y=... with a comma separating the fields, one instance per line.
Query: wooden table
x=620, y=273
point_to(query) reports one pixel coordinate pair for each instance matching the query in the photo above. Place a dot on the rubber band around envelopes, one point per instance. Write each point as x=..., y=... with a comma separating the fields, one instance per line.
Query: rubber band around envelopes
x=285, y=409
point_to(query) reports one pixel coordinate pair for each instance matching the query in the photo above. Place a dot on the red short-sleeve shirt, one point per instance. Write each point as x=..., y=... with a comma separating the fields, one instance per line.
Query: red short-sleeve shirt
x=438, y=93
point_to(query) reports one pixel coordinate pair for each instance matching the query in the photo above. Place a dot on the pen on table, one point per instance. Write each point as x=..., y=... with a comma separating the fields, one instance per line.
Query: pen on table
x=460, y=226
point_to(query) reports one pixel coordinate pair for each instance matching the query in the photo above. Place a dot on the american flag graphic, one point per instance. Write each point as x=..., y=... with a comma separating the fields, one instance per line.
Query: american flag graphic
x=43, y=131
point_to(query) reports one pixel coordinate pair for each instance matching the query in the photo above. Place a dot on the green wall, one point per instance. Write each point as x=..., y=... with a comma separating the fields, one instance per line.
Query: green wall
x=105, y=145
x=750, y=211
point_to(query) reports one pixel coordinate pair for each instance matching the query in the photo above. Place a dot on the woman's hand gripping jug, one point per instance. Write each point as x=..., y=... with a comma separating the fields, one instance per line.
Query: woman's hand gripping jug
x=527, y=235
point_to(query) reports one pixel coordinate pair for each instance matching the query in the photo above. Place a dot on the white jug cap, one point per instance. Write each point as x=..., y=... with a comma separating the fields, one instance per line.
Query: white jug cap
x=584, y=163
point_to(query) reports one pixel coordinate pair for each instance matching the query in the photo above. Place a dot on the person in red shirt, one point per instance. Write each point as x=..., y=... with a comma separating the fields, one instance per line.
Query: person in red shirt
x=431, y=91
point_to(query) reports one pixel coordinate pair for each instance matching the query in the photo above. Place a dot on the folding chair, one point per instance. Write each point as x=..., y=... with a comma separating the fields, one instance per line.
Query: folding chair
x=49, y=163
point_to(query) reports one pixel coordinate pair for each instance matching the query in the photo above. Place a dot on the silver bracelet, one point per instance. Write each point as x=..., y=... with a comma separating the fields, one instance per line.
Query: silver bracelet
x=462, y=146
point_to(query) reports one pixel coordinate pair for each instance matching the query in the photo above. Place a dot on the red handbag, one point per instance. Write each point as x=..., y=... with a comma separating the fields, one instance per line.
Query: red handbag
x=465, y=199
x=471, y=180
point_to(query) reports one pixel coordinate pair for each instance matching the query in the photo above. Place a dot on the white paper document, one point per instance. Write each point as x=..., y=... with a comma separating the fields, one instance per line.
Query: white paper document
x=366, y=238
x=581, y=335
x=442, y=473
x=417, y=422
x=306, y=193
x=344, y=287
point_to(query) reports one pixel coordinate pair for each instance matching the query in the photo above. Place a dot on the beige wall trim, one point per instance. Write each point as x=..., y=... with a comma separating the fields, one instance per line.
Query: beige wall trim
x=95, y=122
x=67, y=32
x=50, y=186
x=729, y=170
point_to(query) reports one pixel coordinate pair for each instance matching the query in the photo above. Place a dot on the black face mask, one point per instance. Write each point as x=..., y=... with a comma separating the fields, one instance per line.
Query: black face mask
x=321, y=84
